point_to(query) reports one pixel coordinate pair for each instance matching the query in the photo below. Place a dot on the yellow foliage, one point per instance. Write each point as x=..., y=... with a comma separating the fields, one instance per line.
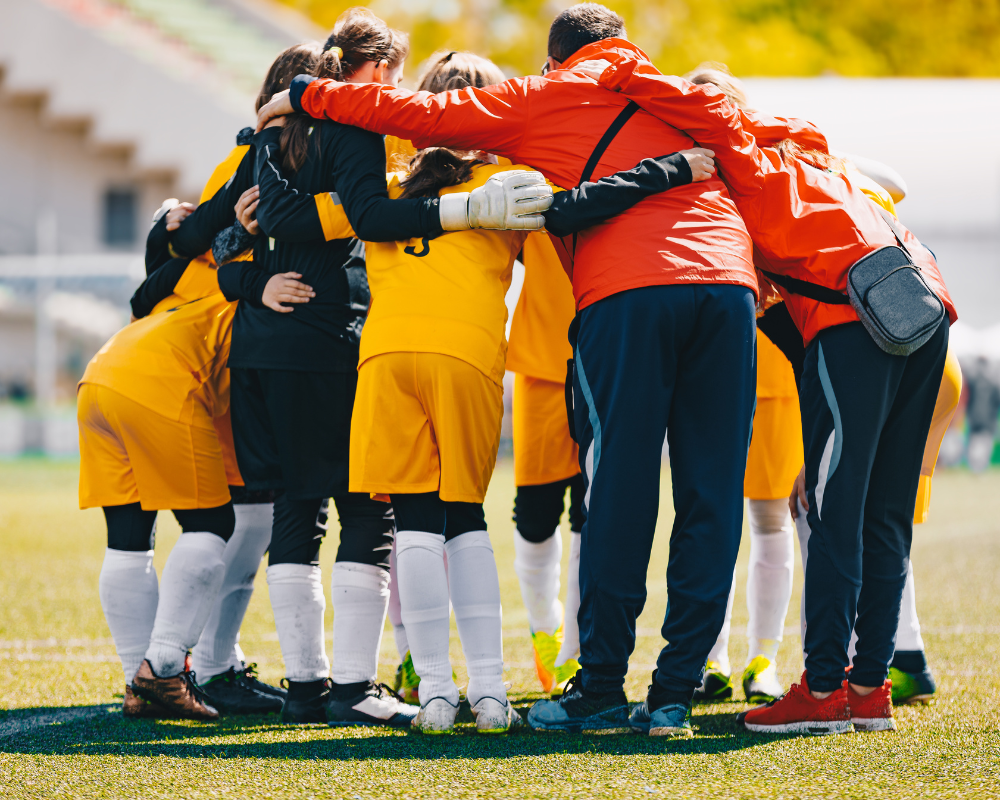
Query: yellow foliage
x=948, y=38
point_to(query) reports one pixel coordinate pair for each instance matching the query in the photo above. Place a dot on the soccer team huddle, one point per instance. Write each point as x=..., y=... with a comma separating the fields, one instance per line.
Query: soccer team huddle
x=330, y=322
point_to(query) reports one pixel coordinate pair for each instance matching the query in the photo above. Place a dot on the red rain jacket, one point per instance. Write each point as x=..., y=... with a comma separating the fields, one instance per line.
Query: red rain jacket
x=805, y=222
x=691, y=234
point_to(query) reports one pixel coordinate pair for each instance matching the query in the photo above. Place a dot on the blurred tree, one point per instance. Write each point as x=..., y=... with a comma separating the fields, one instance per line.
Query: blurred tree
x=945, y=38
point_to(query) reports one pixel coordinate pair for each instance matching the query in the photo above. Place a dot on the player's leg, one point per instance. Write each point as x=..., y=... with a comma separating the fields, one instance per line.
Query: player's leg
x=406, y=682
x=129, y=594
x=421, y=519
x=567, y=662
x=127, y=586
x=717, y=682
x=769, y=589
x=230, y=684
x=474, y=586
x=295, y=584
x=360, y=591
x=537, y=556
x=911, y=676
x=708, y=435
x=888, y=530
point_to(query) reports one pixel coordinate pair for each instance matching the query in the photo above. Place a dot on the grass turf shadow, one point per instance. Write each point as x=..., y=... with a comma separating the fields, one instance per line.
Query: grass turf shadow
x=111, y=734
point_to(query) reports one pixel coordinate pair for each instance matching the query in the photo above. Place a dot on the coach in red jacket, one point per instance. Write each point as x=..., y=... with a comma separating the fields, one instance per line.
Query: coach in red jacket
x=665, y=342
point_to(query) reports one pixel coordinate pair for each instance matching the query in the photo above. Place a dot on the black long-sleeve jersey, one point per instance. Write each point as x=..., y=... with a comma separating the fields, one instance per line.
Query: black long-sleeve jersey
x=344, y=165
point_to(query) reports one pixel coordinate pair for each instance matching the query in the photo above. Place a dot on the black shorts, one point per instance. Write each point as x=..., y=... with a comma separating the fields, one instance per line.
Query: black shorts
x=292, y=430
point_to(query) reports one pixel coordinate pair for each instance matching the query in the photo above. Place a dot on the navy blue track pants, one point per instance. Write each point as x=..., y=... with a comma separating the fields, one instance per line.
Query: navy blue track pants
x=865, y=419
x=681, y=359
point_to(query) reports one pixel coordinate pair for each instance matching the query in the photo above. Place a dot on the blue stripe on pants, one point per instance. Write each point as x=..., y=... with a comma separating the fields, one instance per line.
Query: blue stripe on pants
x=681, y=358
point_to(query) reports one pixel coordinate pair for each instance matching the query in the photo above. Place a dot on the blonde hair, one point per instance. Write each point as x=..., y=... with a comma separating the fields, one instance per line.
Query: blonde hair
x=718, y=75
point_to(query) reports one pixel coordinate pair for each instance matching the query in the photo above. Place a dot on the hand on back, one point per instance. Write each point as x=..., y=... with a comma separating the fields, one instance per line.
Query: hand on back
x=701, y=161
x=285, y=288
x=246, y=210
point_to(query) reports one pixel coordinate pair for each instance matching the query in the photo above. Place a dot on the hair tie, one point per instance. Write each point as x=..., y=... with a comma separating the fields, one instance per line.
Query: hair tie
x=336, y=51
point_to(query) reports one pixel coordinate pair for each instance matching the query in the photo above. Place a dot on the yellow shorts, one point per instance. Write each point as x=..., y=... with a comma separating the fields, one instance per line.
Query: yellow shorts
x=130, y=454
x=543, y=449
x=224, y=430
x=775, y=456
x=424, y=422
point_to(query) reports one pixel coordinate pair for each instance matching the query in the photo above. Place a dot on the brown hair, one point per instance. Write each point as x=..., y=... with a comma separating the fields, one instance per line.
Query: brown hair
x=357, y=38
x=296, y=60
x=580, y=25
x=434, y=168
x=718, y=75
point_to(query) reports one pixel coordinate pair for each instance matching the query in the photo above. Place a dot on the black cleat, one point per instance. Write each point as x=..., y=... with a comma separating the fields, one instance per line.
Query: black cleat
x=367, y=703
x=249, y=675
x=232, y=694
x=306, y=702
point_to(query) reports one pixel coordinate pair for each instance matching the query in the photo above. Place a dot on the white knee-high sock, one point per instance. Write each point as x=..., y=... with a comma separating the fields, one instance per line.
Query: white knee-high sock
x=769, y=583
x=191, y=581
x=423, y=595
x=720, y=650
x=475, y=595
x=129, y=592
x=395, y=612
x=217, y=649
x=571, y=627
x=298, y=604
x=908, y=636
x=360, y=598
x=537, y=568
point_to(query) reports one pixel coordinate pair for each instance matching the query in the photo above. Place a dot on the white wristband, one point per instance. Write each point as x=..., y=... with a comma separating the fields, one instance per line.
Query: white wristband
x=453, y=210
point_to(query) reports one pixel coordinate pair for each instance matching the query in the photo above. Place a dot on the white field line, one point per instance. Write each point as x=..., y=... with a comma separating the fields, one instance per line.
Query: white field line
x=26, y=724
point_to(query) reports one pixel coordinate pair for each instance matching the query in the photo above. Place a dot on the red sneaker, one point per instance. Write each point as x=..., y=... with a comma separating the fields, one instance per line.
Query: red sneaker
x=873, y=712
x=797, y=711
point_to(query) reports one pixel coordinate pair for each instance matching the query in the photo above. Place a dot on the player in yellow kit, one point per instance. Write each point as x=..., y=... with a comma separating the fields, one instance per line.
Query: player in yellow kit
x=546, y=461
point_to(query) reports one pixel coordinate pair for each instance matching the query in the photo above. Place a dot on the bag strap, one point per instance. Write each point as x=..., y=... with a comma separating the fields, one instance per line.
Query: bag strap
x=890, y=220
x=813, y=291
x=602, y=145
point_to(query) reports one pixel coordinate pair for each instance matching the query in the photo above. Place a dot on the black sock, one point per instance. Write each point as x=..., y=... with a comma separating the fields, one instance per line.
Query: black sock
x=302, y=690
x=912, y=661
x=343, y=691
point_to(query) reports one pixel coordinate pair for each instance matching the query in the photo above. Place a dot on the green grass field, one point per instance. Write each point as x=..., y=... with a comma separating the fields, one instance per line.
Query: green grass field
x=56, y=653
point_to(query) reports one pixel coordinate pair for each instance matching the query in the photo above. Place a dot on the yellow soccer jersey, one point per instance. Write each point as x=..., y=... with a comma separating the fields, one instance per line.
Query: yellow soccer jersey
x=443, y=295
x=539, y=343
x=223, y=172
x=171, y=361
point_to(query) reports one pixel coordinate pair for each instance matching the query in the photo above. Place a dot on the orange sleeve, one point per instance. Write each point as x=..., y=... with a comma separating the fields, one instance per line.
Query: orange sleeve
x=492, y=119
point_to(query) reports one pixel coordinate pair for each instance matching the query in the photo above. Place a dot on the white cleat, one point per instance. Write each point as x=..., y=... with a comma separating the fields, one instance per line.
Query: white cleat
x=492, y=716
x=437, y=717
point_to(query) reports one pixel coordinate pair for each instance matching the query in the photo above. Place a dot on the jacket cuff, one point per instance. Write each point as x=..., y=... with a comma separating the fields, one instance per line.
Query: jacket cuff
x=299, y=84
x=681, y=169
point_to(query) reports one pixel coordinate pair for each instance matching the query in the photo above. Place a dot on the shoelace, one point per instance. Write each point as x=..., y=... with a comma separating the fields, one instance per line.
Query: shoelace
x=572, y=685
x=191, y=678
x=383, y=690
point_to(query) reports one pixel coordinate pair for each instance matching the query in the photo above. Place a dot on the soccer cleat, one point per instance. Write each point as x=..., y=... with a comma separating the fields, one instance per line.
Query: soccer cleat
x=435, y=718
x=135, y=707
x=546, y=647
x=799, y=712
x=912, y=687
x=249, y=675
x=407, y=682
x=564, y=672
x=492, y=716
x=673, y=719
x=716, y=686
x=367, y=703
x=232, y=694
x=179, y=694
x=580, y=711
x=872, y=712
x=305, y=702
x=760, y=681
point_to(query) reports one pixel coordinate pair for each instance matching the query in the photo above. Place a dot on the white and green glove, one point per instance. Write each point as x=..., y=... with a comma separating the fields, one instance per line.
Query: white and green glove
x=508, y=201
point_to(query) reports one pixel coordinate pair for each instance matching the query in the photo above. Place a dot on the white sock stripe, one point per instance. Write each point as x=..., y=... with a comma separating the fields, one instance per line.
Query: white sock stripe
x=415, y=616
x=472, y=612
x=361, y=576
x=292, y=573
x=466, y=540
x=422, y=540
